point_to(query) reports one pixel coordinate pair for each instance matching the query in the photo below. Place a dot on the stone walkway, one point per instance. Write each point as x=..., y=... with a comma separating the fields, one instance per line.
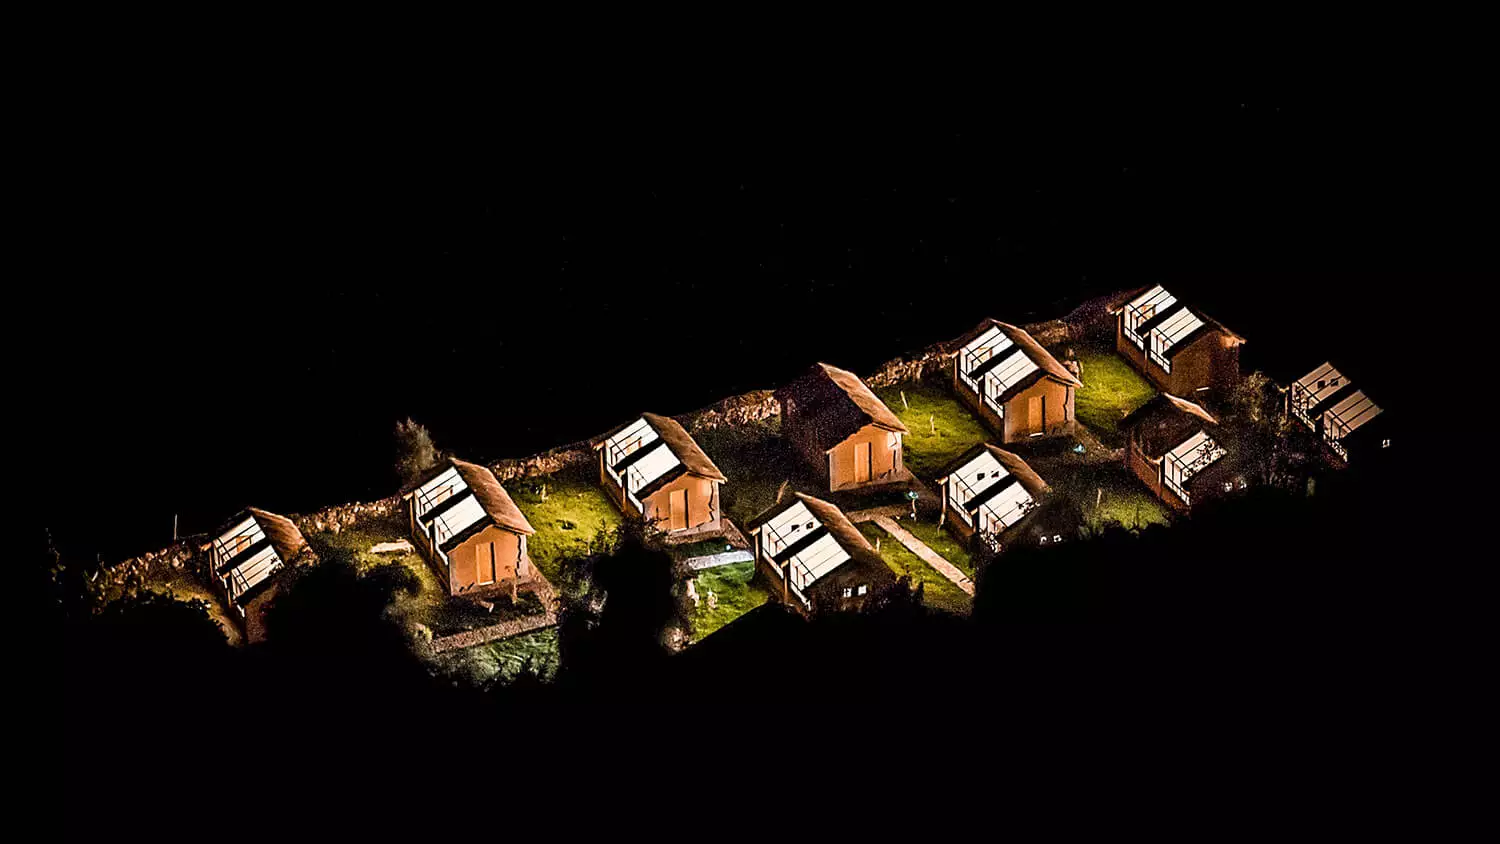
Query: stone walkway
x=715, y=560
x=929, y=556
x=494, y=632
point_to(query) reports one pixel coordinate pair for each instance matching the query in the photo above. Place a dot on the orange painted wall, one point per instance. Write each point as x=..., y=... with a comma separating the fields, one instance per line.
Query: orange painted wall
x=1213, y=360
x=462, y=573
x=702, y=502
x=1018, y=422
x=882, y=457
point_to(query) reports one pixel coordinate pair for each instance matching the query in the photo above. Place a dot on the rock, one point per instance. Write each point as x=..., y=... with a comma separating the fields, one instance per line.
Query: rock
x=400, y=546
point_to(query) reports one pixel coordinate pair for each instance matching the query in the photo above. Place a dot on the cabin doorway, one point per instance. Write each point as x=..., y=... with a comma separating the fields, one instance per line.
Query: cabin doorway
x=1036, y=413
x=677, y=510
x=484, y=563
x=863, y=457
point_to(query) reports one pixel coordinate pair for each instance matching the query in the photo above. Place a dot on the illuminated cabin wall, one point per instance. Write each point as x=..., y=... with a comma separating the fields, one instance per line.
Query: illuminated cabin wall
x=702, y=500
x=1152, y=474
x=827, y=592
x=459, y=570
x=1212, y=360
x=702, y=505
x=884, y=462
x=1027, y=414
x=1017, y=422
x=511, y=562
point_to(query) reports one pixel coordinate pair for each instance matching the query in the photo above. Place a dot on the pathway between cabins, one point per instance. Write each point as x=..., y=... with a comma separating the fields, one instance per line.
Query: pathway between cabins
x=929, y=556
x=494, y=632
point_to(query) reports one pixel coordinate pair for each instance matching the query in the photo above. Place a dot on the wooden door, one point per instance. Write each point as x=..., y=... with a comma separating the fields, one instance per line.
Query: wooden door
x=484, y=562
x=1036, y=415
x=677, y=509
x=863, y=456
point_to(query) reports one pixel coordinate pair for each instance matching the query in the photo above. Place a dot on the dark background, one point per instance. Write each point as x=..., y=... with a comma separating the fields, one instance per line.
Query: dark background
x=248, y=290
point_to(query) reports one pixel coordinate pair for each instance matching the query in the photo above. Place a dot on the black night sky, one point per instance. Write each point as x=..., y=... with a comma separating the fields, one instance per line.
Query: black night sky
x=240, y=273
x=245, y=299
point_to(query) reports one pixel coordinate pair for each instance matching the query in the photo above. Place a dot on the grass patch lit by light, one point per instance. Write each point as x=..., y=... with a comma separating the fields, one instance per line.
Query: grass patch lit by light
x=736, y=593
x=939, y=592
x=575, y=513
x=941, y=540
x=1111, y=389
x=932, y=405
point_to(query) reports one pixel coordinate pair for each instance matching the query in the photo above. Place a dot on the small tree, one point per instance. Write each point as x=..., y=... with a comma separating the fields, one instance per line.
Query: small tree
x=1257, y=416
x=415, y=451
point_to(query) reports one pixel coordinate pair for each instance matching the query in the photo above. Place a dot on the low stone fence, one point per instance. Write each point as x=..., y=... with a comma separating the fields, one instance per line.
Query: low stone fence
x=554, y=460
x=1090, y=319
x=339, y=516
x=495, y=632
x=931, y=360
x=733, y=412
x=137, y=571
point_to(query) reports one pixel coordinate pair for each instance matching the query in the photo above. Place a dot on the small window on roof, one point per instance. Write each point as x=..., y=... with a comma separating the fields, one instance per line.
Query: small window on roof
x=810, y=525
x=1335, y=382
x=1322, y=382
x=863, y=588
x=848, y=593
x=1385, y=443
x=1057, y=537
x=1044, y=540
x=1228, y=486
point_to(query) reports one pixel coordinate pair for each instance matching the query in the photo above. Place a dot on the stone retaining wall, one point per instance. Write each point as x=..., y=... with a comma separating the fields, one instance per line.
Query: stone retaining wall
x=137, y=571
x=1090, y=319
x=340, y=516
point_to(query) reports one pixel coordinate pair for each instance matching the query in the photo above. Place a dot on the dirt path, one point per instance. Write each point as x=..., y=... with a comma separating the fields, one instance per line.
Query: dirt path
x=929, y=556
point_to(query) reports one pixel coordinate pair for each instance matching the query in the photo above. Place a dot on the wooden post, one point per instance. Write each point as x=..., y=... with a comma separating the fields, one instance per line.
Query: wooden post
x=903, y=400
x=932, y=422
x=781, y=490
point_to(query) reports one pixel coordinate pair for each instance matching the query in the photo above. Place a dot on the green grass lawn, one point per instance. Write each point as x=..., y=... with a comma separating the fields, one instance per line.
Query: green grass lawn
x=737, y=595
x=941, y=540
x=511, y=654
x=431, y=606
x=1111, y=389
x=756, y=460
x=933, y=405
x=938, y=592
x=502, y=660
x=1105, y=492
x=575, y=513
x=1122, y=500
